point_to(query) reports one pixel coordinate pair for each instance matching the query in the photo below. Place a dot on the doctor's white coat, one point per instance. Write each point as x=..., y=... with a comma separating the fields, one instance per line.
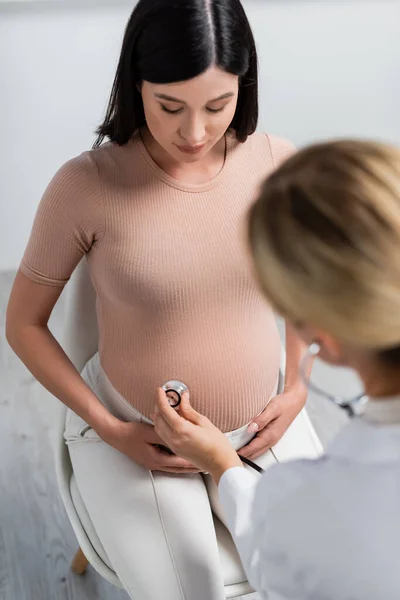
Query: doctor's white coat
x=325, y=529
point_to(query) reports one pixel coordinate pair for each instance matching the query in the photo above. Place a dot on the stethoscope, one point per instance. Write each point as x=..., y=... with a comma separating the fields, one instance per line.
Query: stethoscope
x=174, y=391
x=354, y=407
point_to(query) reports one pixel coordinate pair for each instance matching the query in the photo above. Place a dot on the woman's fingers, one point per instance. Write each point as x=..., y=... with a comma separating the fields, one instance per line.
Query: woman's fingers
x=151, y=436
x=258, y=446
x=170, y=461
x=270, y=413
x=193, y=471
x=175, y=462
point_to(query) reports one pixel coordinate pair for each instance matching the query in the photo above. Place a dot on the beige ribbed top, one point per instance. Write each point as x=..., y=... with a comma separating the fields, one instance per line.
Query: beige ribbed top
x=175, y=293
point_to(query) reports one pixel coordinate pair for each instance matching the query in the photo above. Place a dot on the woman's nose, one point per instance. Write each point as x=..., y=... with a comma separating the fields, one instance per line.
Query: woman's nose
x=193, y=131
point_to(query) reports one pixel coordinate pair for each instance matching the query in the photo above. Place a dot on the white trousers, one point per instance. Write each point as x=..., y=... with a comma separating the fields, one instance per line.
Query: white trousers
x=157, y=528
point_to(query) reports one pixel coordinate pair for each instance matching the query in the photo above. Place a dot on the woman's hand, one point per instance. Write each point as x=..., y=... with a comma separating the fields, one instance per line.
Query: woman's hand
x=272, y=423
x=139, y=442
x=193, y=436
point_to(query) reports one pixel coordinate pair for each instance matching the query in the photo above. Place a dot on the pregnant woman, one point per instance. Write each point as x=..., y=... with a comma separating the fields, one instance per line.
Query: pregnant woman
x=158, y=210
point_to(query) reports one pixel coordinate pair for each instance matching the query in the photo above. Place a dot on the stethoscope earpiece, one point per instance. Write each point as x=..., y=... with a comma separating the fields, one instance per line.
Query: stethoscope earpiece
x=353, y=406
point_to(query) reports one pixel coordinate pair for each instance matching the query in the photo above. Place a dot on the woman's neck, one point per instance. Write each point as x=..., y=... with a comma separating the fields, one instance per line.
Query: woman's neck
x=197, y=172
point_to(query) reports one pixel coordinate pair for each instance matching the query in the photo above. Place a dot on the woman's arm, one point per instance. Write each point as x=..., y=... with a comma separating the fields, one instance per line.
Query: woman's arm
x=28, y=313
x=27, y=331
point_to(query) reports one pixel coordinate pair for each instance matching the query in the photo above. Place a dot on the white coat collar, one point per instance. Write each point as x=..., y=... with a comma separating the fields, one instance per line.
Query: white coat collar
x=383, y=411
x=374, y=437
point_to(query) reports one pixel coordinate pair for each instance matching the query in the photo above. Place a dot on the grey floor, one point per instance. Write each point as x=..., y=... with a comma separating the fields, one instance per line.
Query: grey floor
x=36, y=540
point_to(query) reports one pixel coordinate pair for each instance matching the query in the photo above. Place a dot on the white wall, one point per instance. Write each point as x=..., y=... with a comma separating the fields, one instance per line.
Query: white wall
x=328, y=68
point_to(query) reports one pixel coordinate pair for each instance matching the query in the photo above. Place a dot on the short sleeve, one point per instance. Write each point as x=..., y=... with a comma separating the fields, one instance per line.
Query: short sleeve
x=281, y=149
x=68, y=222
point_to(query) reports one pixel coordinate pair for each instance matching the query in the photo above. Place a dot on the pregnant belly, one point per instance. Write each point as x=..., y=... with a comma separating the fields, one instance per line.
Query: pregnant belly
x=230, y=383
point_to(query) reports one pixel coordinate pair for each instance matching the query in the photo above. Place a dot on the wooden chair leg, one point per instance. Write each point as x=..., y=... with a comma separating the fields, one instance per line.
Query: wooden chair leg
x=80, y=563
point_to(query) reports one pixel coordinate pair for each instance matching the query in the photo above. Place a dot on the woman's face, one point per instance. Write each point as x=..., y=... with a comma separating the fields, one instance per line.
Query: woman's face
x=187, y=119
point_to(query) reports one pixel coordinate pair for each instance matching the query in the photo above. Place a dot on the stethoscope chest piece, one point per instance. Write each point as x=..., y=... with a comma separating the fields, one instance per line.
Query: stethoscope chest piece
x=174, y=390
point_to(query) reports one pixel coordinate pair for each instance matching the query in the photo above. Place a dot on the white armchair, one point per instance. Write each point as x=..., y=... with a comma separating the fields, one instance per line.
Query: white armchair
x=80, y=343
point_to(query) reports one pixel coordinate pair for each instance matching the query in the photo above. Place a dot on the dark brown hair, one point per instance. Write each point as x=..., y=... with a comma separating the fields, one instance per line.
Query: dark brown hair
x=167, y=41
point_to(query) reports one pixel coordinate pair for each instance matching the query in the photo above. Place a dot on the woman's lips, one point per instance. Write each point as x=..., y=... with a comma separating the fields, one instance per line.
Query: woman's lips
x=191, y=149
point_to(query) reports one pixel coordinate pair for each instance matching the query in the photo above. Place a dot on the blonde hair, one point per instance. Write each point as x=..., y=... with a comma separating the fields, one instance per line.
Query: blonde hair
x=325, y=238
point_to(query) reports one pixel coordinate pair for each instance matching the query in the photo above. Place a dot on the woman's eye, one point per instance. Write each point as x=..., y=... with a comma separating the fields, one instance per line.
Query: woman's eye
x=169, y=111
x=215, y=110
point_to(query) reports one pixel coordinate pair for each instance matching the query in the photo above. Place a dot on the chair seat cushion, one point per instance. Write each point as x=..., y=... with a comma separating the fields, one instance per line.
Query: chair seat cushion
x=231, y=565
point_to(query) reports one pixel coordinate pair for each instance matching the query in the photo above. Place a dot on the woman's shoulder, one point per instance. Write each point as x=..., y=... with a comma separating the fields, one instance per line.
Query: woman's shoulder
x=116, y=163
x=74, y=192
x=273, y=149
x=79, y=168
x=109, y=153
x=280, y=148
x=74, y=180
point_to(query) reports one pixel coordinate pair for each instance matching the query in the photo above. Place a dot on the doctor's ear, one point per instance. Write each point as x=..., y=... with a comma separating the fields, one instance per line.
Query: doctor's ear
x=332, y=351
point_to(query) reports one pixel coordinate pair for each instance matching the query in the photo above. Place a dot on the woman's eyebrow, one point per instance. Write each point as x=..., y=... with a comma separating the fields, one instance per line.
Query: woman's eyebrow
x=172, y=99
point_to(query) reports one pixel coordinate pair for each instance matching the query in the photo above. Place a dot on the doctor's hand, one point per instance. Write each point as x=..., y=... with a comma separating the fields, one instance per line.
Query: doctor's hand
x=273, y=422
x=192, y=436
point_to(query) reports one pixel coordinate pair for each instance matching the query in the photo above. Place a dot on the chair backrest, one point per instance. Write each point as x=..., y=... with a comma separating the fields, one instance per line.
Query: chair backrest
x=79, y=339
x=80, y=332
